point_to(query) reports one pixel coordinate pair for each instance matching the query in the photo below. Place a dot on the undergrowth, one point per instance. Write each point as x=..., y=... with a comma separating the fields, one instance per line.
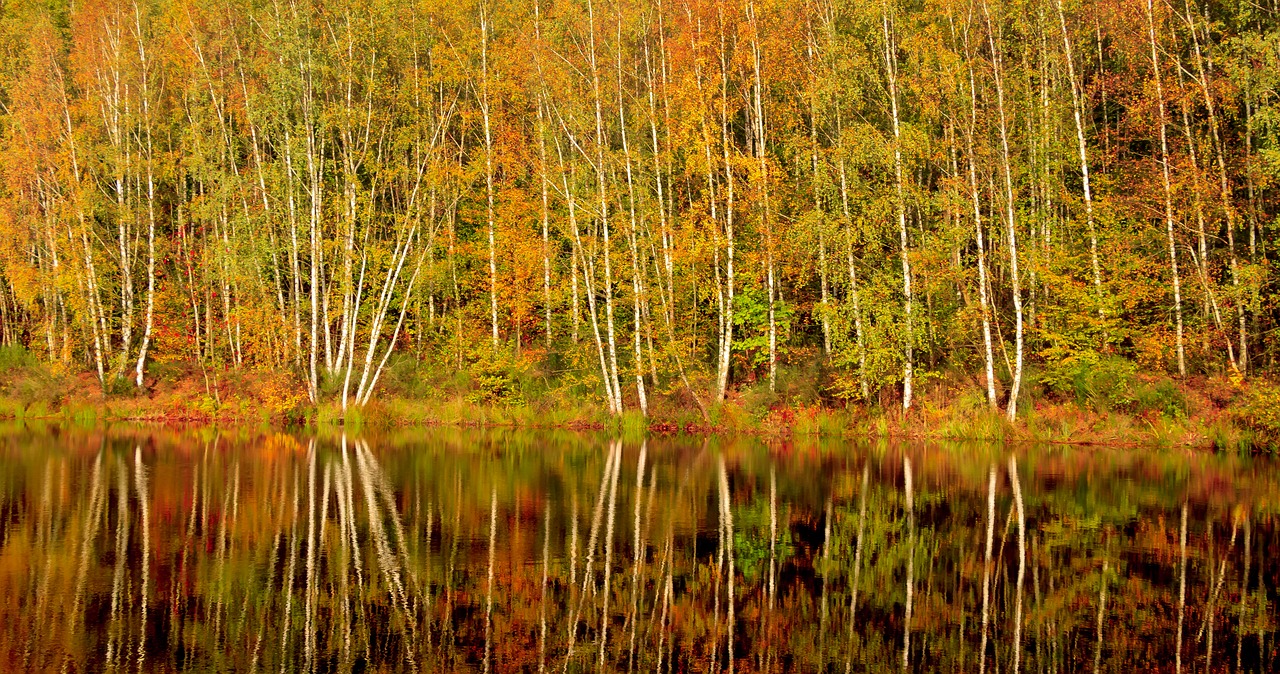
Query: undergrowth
x=1087, y=400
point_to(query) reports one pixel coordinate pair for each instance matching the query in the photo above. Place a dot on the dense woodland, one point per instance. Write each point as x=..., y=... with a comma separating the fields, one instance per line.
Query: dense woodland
x=664, y=197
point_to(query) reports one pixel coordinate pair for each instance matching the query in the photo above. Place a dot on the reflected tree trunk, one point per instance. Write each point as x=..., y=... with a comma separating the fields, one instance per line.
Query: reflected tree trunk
x=727, y=514
x=542, y=603
x=823, y=574
x=911, y=562
x=986, y=567
x=1102, y=609
x=1244, y=589
x=289, y=576
x=309, y=634
x=857, y=563
x=637, y=559
x=488, y=593
x=608, y=554
x=1022, y=563
x=1182, y=588
x=144, y=592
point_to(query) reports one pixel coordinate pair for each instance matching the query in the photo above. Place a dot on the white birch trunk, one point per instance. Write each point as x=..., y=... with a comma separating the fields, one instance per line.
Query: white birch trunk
x=854, y=293
x=1224, y=188
x=891, y=71
x=637, y=283
x=824, y=315
x=757, y=57
x=987, y=568
x=1077, y=112
x=602, y=196
x=542, y=177
x=726, y=342
x=151, y=198
x=588, y=276
x=1022, y=563
x=1168, y=190
x=488, y=169
x=984, y=300
x=997, y=60
x=1210, y=301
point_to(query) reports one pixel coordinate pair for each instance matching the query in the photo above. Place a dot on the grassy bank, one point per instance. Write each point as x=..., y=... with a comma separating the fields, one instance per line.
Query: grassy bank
x=1107, y=404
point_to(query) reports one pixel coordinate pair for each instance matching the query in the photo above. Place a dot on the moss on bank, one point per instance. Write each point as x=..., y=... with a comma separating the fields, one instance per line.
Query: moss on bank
x=1109, y=404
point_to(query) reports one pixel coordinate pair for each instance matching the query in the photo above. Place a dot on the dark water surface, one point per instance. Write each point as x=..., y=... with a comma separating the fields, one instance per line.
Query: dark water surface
x=444, y=550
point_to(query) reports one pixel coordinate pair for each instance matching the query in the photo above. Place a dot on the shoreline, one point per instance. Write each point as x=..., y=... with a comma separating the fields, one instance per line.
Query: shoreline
x=1199, y=413
x=1053, y=423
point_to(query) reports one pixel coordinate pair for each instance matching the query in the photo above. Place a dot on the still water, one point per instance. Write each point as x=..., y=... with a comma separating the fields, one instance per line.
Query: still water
x=136, y=549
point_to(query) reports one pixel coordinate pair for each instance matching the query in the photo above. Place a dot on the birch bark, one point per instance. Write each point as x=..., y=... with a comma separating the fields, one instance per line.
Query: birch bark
x=1168, y=190
x=997, y=61
x=1082, y=147
x=488, y=168
x=891, y=71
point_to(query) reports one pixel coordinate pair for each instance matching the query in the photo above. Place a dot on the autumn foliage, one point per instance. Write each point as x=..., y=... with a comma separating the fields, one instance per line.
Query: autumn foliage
x=661, y=199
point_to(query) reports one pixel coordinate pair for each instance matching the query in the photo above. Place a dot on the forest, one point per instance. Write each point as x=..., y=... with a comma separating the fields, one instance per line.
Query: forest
x=651, y=204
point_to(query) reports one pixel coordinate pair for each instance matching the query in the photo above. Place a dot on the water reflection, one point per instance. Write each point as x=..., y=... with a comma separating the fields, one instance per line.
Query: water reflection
x=161, y=550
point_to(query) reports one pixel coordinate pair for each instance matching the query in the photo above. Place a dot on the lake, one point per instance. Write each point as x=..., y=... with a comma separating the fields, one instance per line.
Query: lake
x=440, y=549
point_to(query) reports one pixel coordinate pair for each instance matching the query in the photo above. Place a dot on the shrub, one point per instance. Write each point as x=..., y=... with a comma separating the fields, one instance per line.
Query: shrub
x=1260, y=410
x=15, y=357
x=1163, y=397
x=756, y=398
x=1092, y=380
x=27, y=381
x=496, y=382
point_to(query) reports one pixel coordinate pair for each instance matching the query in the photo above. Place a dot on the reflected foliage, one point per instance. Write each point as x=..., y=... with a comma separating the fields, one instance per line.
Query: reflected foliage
x=439, y=550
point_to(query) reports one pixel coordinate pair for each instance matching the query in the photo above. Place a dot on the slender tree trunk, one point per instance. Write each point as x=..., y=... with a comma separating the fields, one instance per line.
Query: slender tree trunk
x=766, y=226
x=824, y=315
x=546, y=246
x=574, y=254
x=151, y=199
x=88, y=283
x=1224, y=188
x=997, y=62
x=637, y=282
x=663, y=276
x=1168, y=190
x=1077, y=112
x=984, y=300
x=314, y=193
x=294, y=258
x=488, y=168
x=588, y=275
x=854, y=293
x=863, y=386
x=726, y=345
x=1201, y=260
x=891, y=70
x=603, y=215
